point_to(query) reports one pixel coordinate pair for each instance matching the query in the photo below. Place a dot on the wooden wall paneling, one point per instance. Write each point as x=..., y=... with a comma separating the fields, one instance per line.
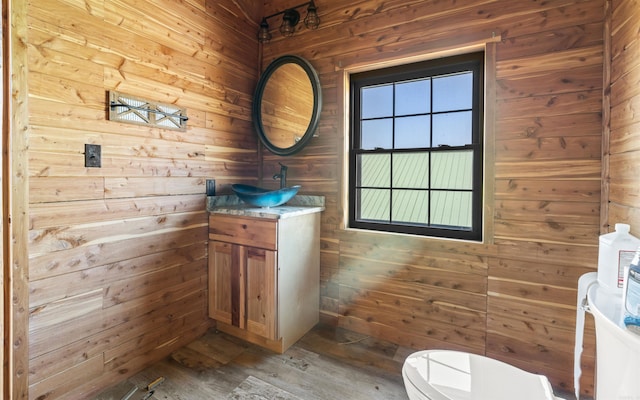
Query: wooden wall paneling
x=420, y=269
x=607, y=141
x=111, y=325
x=58, y=287
x=15, y=183
x=544, y=285
x=441, y=289
x=68, y=354
x=239, y=49
x=75, y=376
x=630, y=215
x=532, y=287
x=127, y=66
x=439, y=335
x=544, y=126
x=579, y=102
x=560, y=39
x=434, y=336
x=140, y=362
x=316, y=171
x=624, y=44
x=489, y=109
x=53, y=114
x=49, y=61
x=106, y=317
x=65, y=90
x=51, y=239
x=441, y=302
x=623, y=75
x=153, y=282
x=50, y=214
x=507, y=346
x=55, y=189
x=623, y=186
x=57, y=140
x=546, y=292
x=66, y=385
x=545, y=175
x=91, y=255
x=155, y=20
x=163, y=335
x=64, y=310
x=569, y=80
x=626, y=138
x=622, y=114
x=543, y=254
x=556, y=148
x=143, y=186
x=529, y=188
x=553, y=17
x=560, y=212
x=73, y=165
x=549, y=231
x=137, y=250
x=562, y=341
x=210, y=99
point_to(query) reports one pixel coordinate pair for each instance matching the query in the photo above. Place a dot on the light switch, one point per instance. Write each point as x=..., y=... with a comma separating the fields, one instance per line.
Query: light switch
x=92, y=155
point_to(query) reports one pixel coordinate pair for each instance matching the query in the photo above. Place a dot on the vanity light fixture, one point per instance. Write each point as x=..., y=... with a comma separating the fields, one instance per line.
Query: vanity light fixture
x=290, y=18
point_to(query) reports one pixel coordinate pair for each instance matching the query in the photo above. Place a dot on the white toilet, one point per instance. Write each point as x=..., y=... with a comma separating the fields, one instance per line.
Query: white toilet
x=453, y=375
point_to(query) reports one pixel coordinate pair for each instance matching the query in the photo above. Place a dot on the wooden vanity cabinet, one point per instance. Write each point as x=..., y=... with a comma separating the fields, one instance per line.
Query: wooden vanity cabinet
x=264, y=277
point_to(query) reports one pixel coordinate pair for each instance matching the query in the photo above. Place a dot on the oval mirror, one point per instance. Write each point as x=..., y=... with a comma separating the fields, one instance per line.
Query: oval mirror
x=287, y=105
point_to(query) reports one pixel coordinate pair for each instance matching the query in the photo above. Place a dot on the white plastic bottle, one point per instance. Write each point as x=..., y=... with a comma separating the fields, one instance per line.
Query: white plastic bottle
x=615, y=252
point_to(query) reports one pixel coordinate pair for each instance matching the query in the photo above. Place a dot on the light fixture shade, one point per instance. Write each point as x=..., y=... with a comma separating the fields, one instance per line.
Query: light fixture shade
x=286, y=29
x=312, y=21
x=264, y=35
x=289, y=21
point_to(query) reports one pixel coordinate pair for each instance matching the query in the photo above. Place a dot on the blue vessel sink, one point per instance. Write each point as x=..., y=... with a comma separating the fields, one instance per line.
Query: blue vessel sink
x=259, y=197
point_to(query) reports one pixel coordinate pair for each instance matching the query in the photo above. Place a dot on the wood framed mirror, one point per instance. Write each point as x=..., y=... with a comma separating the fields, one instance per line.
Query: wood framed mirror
x=287, y=105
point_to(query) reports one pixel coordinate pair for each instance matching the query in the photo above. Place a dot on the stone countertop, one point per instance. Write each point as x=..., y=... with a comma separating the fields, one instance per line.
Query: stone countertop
x=232, y=205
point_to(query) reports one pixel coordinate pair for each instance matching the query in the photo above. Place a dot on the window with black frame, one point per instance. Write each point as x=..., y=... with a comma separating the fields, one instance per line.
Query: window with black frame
x=416, y=154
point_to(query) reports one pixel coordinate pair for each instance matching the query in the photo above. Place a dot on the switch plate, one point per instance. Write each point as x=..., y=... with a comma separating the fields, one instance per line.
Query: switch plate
x=92, y=155
x=211, y=187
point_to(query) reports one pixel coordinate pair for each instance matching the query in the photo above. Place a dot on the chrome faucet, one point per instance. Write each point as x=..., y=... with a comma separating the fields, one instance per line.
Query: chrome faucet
x=282, y=176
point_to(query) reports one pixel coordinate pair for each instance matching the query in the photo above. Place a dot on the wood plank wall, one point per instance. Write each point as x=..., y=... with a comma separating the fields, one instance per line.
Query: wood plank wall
x=117, y=254
x=624, y=149
x=514, y=297
x=15, y=135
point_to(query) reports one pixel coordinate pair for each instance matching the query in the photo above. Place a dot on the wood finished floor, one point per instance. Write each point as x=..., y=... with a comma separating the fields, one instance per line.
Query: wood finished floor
x=327, y=363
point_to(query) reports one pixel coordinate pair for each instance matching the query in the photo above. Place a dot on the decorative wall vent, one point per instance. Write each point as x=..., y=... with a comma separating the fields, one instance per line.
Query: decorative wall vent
x=134, y=110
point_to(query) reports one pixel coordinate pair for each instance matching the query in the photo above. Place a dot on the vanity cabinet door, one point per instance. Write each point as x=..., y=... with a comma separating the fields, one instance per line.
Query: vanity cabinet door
x=220, y=281
x=242, y=287
x=261, y=297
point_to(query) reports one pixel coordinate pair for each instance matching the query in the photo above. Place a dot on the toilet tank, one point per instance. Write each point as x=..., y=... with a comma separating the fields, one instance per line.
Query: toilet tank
x=617, y=348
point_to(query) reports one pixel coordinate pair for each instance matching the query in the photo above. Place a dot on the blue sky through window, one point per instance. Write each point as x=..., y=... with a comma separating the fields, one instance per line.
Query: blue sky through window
x=408, y=124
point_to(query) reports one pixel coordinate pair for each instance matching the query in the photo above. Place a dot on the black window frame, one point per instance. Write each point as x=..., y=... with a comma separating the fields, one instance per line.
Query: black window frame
x=427, y=69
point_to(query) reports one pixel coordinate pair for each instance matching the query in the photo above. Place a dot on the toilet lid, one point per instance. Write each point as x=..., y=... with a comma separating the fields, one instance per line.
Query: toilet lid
x=453, y=375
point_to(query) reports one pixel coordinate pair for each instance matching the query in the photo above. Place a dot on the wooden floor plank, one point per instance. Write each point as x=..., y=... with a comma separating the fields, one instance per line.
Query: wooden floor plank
x=328, y=363
x=254, y=388
x=321, y=377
